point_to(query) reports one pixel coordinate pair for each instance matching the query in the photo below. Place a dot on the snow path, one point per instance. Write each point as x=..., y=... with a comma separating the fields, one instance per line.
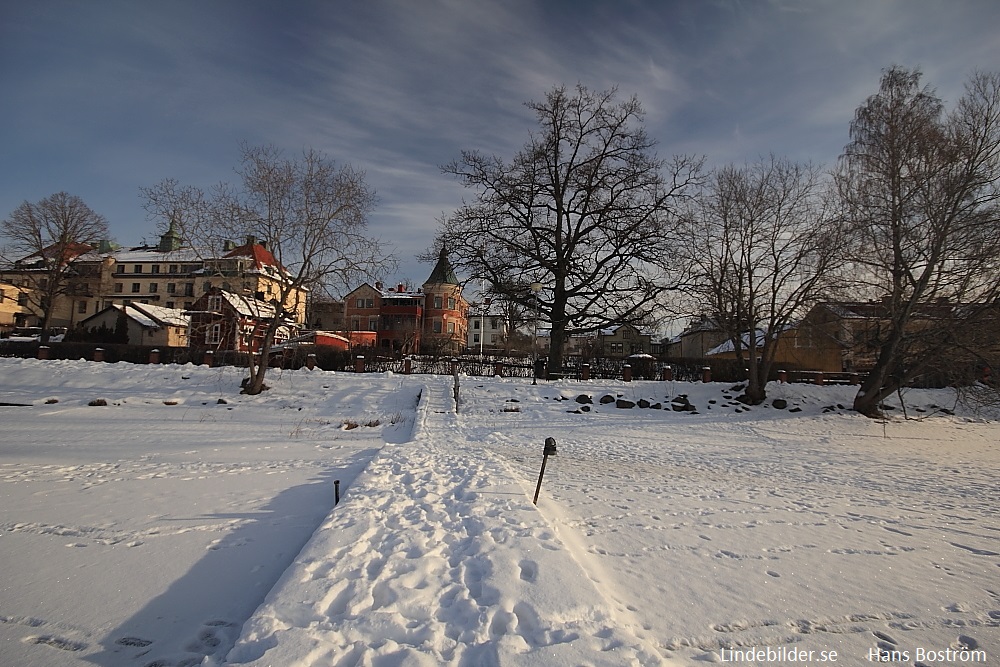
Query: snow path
x=436, y=556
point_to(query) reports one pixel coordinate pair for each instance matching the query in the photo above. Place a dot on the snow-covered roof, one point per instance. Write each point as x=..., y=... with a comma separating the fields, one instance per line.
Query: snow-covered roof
x=171, y=316
x=247, y=306
x=150, y=316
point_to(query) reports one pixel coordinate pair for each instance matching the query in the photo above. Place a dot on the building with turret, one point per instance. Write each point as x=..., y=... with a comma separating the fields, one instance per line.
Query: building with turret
x=433, y=319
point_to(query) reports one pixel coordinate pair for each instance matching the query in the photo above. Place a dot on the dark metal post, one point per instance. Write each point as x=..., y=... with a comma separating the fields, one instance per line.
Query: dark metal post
x=550, y=450
x=336, y=492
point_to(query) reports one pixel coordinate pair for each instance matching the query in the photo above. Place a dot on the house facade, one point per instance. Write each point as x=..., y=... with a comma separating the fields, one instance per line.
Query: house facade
x=14, y=309
x=167, y=274
x=622, y=341
x=431, y=319
x=142, y=324
x=229, y=322
x=487, y=330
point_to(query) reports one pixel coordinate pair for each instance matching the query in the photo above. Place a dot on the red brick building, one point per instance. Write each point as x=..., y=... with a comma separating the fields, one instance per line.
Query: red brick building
x=432, y=319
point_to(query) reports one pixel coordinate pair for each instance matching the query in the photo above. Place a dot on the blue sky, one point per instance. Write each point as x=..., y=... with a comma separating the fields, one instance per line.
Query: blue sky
x=100, y=98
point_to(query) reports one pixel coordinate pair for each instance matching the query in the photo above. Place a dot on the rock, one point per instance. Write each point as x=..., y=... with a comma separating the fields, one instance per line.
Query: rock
x=795, y=410
x=50, y=401
x=607, y=398
x=656, y=406
x=643, y=403
x=98, y=402
x=584, y=399
x=622, y=403
x=780, y=403
x=222, y=401
x=585, y=408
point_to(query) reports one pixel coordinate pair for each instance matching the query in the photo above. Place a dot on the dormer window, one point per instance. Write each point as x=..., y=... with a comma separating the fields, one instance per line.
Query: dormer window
x=215, y=303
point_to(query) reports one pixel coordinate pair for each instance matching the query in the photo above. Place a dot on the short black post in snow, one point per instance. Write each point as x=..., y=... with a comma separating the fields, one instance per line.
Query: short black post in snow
x=336, y=492
x=550, y=450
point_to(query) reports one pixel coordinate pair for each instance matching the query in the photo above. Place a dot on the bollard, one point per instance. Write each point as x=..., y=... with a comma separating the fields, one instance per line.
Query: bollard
x=668, y=374
x=154, y=356
x=627, y=373
x=208, y=358
x=585, y=372
x=498, y=369
x=454, y=366
x=98, y=354
x=706, y=374
x=43, y=352
x=783, y=377
x=359, y=364
x=855, y=378
x=407, y=365
x=310, y=361
x=336, y=492
x=550, y=450
x=820, y=380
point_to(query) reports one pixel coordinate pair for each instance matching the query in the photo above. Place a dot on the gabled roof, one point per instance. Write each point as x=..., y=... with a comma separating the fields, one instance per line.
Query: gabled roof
x=146, y=315
x=247, y=306
x=66, y=253
x=262, y=258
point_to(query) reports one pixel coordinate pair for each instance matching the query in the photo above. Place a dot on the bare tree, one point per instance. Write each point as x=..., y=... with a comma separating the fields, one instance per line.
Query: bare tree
x=584, y=209
x=43, y=240
x=312, y=213
x=761, y=249
x=920, y=189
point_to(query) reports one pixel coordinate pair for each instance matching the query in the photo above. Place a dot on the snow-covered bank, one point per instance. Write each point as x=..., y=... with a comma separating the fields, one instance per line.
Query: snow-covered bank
x=147, y=532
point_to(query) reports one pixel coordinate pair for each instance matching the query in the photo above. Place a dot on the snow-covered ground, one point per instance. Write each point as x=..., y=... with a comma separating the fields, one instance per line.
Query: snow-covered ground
x=185, y=524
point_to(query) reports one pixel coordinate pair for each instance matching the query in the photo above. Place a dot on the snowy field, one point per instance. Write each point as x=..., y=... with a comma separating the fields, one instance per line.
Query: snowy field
x=185, y=524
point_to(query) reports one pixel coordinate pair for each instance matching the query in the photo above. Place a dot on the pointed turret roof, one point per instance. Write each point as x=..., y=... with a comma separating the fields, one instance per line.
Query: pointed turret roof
x=442, y=273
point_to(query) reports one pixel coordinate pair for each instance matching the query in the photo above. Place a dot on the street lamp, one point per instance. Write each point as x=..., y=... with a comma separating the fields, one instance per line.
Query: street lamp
x=535, y=289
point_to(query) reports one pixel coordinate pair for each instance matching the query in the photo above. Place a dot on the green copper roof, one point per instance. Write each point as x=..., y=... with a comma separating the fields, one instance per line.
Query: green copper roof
x=442, y=273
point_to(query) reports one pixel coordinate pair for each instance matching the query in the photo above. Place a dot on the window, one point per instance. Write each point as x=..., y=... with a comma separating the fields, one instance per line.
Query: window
x=369, y=303
x=494, y=323
x=171, y=288
x=360, y=303
x=451, y=303
x=213, y=336
x=475, y=325
x=437, y=326
x=437, y=302
x=172, y=268
x=22, y=299
x=355, y=325
x=451, y=327
x=493, y=338
x=156, y=268
x=373, y=324
x=120, y=268
x=169, y=304
x=206, y=286
x=119, y=288
x=137, y=268
x=81, y=307
x=187, y=305
x=153, y=287
x=135, y=287
x=475, y=338
x=627, y=334
x=215, y=303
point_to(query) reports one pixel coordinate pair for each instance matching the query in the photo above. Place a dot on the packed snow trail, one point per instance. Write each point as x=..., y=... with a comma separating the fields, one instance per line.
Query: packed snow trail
x=436, y=556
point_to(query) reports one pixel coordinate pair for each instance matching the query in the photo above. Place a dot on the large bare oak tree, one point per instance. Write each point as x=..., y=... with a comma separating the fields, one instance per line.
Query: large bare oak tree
x=584, y=209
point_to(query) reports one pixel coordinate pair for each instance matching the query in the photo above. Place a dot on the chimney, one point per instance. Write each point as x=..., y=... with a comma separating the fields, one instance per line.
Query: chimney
x=251, y=240
x=228, y=245
x=378, y=286
x=400, y=287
